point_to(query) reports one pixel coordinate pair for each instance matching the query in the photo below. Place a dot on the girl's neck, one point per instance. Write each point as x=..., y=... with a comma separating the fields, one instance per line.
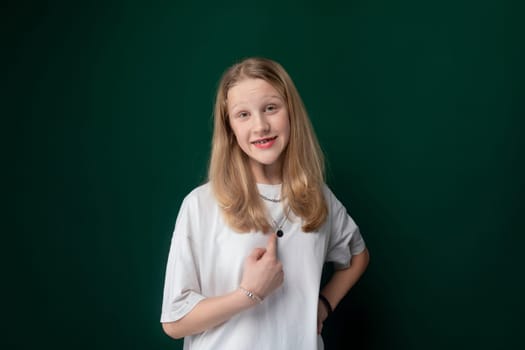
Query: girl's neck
x=267, y=174
x=267, y=177
x=268, y=180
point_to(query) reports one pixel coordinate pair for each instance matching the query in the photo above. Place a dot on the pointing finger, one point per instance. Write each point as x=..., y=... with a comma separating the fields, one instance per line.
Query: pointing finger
x=271, y=247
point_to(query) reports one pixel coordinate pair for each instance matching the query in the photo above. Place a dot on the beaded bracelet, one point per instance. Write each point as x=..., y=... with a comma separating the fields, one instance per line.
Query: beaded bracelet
x=251, y=295
x=326, y=304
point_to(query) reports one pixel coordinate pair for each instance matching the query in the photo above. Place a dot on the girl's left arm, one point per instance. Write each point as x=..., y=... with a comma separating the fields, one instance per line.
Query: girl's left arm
x=340, y=283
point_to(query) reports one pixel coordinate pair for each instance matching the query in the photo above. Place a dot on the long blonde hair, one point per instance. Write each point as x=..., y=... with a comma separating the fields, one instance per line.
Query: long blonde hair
x=303, y=163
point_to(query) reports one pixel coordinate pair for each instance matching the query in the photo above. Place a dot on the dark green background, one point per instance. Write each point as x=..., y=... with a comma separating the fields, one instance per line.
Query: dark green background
x=107, y=122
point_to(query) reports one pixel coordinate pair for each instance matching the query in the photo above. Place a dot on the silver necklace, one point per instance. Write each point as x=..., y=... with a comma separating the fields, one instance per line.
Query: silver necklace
x=277, y=200
x=278, y=228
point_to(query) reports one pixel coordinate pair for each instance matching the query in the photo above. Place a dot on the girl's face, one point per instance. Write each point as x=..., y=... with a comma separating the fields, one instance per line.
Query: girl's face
x=259, y=119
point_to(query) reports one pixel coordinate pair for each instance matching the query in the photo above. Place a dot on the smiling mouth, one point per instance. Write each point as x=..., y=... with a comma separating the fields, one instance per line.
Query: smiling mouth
x=263, y=141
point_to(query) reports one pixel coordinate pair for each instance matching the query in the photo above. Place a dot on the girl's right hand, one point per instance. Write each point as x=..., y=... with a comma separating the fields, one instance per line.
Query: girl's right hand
x=263, y=272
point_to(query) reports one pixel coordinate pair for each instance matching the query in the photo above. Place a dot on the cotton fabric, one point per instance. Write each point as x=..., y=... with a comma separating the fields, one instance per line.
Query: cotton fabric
x=206, y=259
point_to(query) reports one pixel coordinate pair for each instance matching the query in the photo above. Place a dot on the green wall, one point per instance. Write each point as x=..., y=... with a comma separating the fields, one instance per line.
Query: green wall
x=107, y=122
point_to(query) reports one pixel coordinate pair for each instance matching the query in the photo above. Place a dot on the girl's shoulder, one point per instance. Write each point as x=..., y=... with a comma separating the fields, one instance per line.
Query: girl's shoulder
x=332, y=200
x=202, y=194
x=328, y=194
x=203, y=190
x=199, y=201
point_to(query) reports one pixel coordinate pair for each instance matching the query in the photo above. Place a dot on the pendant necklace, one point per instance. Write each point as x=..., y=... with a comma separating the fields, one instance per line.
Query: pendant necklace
x=278, y=228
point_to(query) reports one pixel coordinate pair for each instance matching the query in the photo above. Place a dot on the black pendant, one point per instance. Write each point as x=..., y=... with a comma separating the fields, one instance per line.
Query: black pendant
x=280, y=233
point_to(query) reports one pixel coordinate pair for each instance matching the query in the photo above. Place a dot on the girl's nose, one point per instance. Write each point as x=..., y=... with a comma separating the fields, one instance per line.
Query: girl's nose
x=261, y=124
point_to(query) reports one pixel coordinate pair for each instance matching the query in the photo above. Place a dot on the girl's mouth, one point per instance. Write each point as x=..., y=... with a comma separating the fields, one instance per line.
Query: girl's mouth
x=264, y=143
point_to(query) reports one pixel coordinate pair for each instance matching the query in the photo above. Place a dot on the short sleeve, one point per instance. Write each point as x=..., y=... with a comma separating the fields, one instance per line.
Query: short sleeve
x=181, y=287
x=345, y=237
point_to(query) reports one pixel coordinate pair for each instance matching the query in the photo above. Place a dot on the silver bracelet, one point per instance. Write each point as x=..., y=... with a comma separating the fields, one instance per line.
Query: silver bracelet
x=251, y=294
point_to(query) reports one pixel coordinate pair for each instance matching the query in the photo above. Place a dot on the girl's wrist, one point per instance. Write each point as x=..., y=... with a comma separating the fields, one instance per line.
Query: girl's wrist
x=326, y=304
x=255, y=298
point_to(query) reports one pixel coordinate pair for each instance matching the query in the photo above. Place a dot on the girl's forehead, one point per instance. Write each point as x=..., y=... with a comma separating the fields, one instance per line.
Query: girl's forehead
x=251, y=88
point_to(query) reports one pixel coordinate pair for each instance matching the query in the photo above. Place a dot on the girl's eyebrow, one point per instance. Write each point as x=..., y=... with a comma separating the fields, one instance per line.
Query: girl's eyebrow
x=264, y=97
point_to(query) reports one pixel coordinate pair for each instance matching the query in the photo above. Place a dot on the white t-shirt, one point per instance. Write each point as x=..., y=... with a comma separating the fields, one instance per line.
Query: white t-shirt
x=206, y=259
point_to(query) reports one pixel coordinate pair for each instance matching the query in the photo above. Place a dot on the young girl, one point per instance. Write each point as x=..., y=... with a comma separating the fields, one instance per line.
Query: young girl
x=246, y=258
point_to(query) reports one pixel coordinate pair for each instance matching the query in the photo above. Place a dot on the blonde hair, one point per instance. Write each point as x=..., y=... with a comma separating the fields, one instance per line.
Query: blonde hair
x=303, y=163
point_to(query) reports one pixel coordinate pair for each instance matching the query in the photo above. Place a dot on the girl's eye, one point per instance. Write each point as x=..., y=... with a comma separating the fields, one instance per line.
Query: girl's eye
x=243, y=115
x=270, y=108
